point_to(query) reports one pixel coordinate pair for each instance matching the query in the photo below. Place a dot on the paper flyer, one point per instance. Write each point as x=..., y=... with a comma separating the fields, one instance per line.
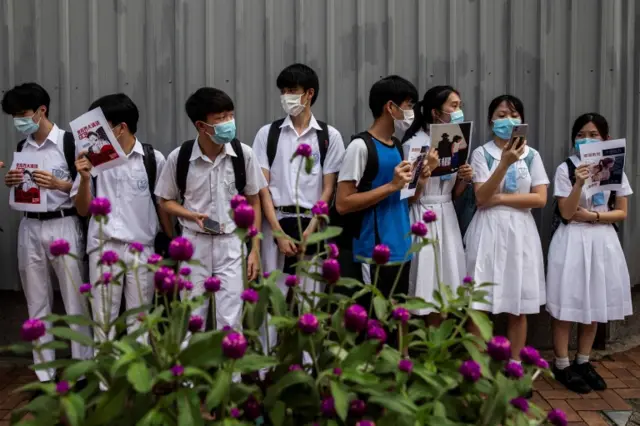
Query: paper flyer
x=27, y=196
x=415, y=151
x=453, y=143
x=606, y=160
x=93, y=135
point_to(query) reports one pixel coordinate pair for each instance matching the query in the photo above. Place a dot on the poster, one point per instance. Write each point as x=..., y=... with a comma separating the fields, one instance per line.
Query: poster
x=453, y=143
x=93, y=135
x=415, y=152
x=27, y=196
x=606, y=160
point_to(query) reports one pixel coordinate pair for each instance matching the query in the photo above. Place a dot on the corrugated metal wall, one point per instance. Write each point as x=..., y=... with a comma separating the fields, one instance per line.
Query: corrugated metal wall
x=562, y=57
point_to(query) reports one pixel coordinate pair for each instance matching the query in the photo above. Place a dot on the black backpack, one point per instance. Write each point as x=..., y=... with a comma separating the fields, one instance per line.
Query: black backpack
x=69, y=149
x=274, y=137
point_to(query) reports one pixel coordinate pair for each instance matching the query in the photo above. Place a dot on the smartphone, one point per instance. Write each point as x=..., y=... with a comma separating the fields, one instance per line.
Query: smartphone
x=211, y=226
x=519, y=135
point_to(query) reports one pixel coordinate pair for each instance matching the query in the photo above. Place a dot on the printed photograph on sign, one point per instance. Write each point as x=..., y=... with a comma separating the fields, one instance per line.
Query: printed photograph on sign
x=453, y=143
x=606, y=165
x=415, y=151
x=28, y=196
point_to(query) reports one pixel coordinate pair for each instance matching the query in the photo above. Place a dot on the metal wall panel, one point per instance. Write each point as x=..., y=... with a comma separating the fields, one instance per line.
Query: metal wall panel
x=562, y=57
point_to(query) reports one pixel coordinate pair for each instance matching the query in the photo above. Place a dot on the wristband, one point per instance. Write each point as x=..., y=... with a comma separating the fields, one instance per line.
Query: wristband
x=597, y=217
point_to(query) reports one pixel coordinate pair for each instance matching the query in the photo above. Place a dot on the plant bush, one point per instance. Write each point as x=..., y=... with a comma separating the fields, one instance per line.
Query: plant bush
x=331, y=364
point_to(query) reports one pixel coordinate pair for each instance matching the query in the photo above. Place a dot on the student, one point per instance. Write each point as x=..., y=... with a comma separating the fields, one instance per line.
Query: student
x=134, y=215
x=28, y=104
x=205, y=173
x=587, y=278
x=369, y=184
x=441, y=104
x=502, y=242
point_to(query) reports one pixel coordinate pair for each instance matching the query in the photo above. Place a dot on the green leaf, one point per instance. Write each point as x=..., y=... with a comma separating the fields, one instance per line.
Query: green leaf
x=139, y=376
x=79, y=369
x=278, y=302
x=380, y=305
x=154, y=418
x=416, y=304
x=220, y=388
x=340, y=398
x=52, y=364
x=481, y=320
x=79, y=320
x=204, y=352
x=282, y=322
x=189, y=409
x=360, y=354
x=122, y=362
x=18, y=348
x=198, y=373
x=277, y=413
x=55, y=345
x=73, y=406
x=254, y=362
x=349, y=283
x=360, y=377
x=395, y=402
x=122, y=319
x=328, y=233
x=290, y=379
x=74, y=336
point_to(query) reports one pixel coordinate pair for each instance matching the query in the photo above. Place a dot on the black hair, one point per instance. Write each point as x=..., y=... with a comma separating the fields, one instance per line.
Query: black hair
x=93, y=134
x=512, y=101
x=433, y=98
x=392, y=88
x=24, y=97
x=593, y=117
x=119, y=108
x=205, y=101
x=27, y=172
x=299, y=75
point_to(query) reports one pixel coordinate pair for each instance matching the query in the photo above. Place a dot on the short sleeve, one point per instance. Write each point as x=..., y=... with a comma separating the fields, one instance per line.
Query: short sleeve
x=166, y=187
x=561, y=183
x=255, y=178
x=160, y=162
x=537, y=172
x=260, y=147
x=625, y=190
x=354, y=163
x=335, y=152
x=481, y=172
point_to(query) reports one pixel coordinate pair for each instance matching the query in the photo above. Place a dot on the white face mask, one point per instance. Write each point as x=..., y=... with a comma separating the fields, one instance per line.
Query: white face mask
x=402, y=125
x=291, y=104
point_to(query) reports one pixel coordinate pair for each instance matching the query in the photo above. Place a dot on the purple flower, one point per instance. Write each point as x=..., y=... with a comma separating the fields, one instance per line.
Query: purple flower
x=557, y=417
x=542, y=363
x=377, y=333
x=164, y=278
x=85, y=288
x=327, y=406
x=419, y=229
x=429, y=216
x=468, y=280
x=100, y=207
x=62, y=387
x=59, y=248
x=252, y=408
x=250, y=296
x=234, y=345
x=237, y=200
x=141, y=317
x=514, y=369
x=109, y=258
x=188, y=285
x=252, y=232
x=185, y=271
x=499, y=348
x=365, y=423
x=136, y=248
x=243, y=216
x=470, y=370
x=321, y=208
x=154, y=259
x=357, y=408
x=520, y=403
x=107, y=277
x=195, y=323
x=212, y=284
x=337, y=371
x=291, y=281
x=405, y=365
x=331, y=270
x=355, y=318
x=333, y=251
x=304, y=150
x=529, y=355
x=372, y=323
x=227, y=328
x=308, y=323
x=177, y=370
x=381, y=254
x=295, y=367
x=33, y=329
x=401, y=314
x=181, y=249
x=235, y=413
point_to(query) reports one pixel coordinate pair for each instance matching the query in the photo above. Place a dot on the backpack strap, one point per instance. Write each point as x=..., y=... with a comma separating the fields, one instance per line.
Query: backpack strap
x=371, y=169
x=571, y=167
x=69, y=148
x=323, y=141
x=182, y=166
x=239, y=170
x=488, y=158
x=272, y=140
x=528, y=160
x=151, y=167
x=21, y=145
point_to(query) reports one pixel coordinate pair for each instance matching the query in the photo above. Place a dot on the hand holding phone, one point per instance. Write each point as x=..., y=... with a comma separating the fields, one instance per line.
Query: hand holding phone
x=211, y=226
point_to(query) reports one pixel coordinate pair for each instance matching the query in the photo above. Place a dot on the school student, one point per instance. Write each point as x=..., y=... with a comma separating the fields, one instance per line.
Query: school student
x=206, y=173
x=587, y=278
x=441, y=104
x=28, y=104
x=502, y=241
x=134, y=215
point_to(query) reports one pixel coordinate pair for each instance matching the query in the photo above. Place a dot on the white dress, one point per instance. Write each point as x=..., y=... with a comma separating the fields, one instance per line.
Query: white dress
x=587, y=278
x=436, y=196
x=502, y=243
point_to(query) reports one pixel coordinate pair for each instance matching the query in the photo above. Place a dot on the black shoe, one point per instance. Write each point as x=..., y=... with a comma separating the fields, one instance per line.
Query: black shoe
x=571, y=380
x=590, y=376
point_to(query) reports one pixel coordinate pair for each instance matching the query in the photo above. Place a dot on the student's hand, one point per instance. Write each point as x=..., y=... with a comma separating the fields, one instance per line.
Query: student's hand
x=465, y=172
x=13, y=177
x=582, y=174
x=433, y=159
x=401, y=175
x=45, y=179
x=198, y=218
x=286, y=246
x=253, y=265
x=584, y=215
x=1, y=164
x=425, y=172
x=511, y=153
x=311, y=228
x=495, y=200
x=83, y=165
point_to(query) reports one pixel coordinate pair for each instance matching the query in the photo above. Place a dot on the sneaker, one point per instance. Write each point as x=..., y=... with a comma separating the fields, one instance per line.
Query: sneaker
x=571, y=380
x=590, y=376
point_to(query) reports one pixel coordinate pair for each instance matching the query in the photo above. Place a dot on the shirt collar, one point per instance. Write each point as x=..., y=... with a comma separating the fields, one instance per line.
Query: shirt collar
x=196, y=152
x=496, y=152
x=137, y=148
x=52, y=136
x=313, y=123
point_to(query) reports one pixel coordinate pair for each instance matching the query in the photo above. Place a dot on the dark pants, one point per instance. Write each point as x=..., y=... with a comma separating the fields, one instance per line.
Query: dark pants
x=290, y=227
x=386, y=277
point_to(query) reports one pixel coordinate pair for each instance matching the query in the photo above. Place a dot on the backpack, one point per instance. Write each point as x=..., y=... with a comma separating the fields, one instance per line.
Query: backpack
x=69, y=150
x=274, y=136
x=466, y=204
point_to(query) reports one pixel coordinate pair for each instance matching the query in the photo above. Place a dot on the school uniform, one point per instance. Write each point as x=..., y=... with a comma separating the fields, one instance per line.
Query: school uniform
x=36, y=233
x=133, y=218
x=502, y=243
x=209, y=190
x=588, y=278
x=437, y=196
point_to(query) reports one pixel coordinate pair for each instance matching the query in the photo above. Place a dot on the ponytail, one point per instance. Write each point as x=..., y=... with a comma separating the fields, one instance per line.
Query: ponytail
x=434, y=98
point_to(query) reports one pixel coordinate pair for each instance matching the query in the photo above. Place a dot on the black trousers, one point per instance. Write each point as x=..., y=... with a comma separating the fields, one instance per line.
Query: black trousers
x=290, y=227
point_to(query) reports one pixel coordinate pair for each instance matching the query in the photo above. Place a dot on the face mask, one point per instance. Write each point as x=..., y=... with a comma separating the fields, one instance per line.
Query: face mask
x=291, y=104
x=26, y=125
x=457, y=116
x=503, y=127
x=401, y=125
x=223, y=132
x=585, y=141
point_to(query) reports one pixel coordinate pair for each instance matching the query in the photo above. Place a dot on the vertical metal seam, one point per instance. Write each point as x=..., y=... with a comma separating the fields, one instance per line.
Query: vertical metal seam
x=121, y=38
x=542, y=107
x=209, y=44
x=360, y=63
x=9, y=24
x=179, y=66
x=480, y=125
x=604, y=63
x=268, y=58
x=423, y=60
x=511, y=47
x=94, y=84
x=37, y=23
x=300, y=30
x=65, y=78
x=453, y=42
x=239, y=45
x=330, y=62
x=391, y=17
x=150, y=72
x=573, y=39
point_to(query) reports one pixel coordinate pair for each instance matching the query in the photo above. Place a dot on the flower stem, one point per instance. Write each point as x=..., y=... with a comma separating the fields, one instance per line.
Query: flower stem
x=314, y=356
x=214, y=318
x=375, y=285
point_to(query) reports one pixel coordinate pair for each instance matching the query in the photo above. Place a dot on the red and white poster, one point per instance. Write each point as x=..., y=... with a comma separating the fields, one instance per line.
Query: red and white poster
x=27, y=196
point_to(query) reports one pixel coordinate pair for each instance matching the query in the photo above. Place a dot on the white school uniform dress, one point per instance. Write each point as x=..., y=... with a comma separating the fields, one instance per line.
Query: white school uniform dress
x=437, y=196
x=35, y=262
x=502, y=243
x=133, y=218
x=209, y=190
x=587, y=278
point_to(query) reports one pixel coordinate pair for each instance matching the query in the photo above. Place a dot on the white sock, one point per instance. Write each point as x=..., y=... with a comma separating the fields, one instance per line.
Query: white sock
x=582, y=359
x=562, y=363
x=516, y=361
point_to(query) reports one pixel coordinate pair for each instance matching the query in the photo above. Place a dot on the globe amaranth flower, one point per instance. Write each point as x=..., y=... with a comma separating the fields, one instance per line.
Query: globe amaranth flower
x=514, y=370
x=419, y=229
x=109, y=258
x=195, y=323
x=308, y=323
x=373, y=323
x=62, y=387
x=100, y=206
x=59, y=248
x=405, y=365
x=237, y=200
x=212, y=284
x=381, y=254
x=499, y=348
x=557, y=417
x=185, y=271
x=85, y=288
x=188, y=285
x=327, y=407
x=321, y=208
x=355, y=318
x=33, y=329
x=401, y=314
x=235, y=413
x=333, y=251
x=429, y=216
x=266, y=275
x=252, y=231
x=520, y=403
x=542, y=363
x=243, y=216
x=467, y=280
x=234, y=345
x=252, y=408
x=377, y=333
x=177, y=370
x=250, y=296
x=295, y=367
x=357, y=408
x=529, y=355
x=154, y=259
x=304, y=150
x=470, y=370
x=106, y=278
x=337, y=371
x=136, y=247
x=181, y=249
x=164, y=278
x=365, y=423
x=291, y=281
x=331, y=270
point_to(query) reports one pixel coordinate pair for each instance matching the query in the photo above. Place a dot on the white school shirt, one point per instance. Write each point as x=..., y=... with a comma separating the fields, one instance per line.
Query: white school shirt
x=52, y=151
x=210, y=184
x=133, y=216
x=562, y=188
x=283, y=174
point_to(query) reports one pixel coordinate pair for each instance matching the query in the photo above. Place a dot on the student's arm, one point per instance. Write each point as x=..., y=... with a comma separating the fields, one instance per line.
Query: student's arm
x=537, y=197
x=81, y=190
x=166, y=223
x=617, y=215
x=465, y=174
x=568, y=205
x=486, y=191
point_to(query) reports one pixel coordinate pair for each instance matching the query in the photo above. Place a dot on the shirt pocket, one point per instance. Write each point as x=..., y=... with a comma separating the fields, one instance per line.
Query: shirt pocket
x=138, y=183
x=523, y=172
x=229, y=184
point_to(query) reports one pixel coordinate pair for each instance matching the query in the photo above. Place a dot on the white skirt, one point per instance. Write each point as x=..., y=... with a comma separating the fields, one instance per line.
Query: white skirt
x=423, y=279
x=587, y=278
x=503, y=247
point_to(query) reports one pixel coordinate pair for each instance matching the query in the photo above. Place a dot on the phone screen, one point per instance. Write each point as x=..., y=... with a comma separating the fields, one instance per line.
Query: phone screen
x=519, y=135
x=211, y=226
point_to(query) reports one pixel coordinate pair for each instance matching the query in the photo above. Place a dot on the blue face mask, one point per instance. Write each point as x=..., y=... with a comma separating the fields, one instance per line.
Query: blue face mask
x=503, y=127
x=585, y=141
x=457, y=116
x=26, y=125
x=224, y=132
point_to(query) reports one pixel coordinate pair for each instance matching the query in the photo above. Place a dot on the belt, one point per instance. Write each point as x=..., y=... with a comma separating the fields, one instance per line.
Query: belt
x=293, y=210
x=52, y=215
